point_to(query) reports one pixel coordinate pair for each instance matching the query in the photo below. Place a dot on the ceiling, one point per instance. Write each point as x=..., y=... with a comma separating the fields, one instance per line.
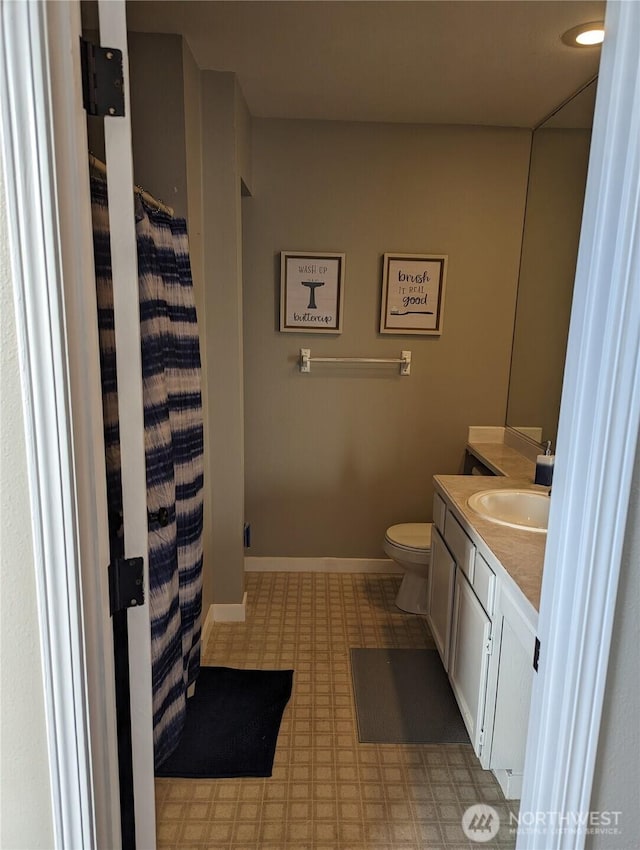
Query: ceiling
x=497, y=62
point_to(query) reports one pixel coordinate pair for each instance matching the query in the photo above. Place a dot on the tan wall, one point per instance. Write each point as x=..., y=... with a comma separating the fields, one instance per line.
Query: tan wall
x=242, y=120
x=157, y=117
x=192, y=148
x=193, y=151
x=559, y=161
x=334, y=457
x=166, y=114
x=224, y=119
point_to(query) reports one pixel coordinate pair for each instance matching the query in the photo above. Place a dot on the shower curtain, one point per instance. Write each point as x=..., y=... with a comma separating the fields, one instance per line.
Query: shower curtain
x=173, y=448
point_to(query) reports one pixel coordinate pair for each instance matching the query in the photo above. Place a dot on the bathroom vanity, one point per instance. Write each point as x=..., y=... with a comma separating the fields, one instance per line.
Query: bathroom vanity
x=483, y=601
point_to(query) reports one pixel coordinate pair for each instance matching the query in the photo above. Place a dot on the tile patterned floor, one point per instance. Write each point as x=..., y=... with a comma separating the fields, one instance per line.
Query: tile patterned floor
x=328, y=791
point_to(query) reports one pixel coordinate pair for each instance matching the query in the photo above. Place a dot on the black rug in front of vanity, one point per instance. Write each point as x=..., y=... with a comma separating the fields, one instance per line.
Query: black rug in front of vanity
x=232, y=724
x=403, y=696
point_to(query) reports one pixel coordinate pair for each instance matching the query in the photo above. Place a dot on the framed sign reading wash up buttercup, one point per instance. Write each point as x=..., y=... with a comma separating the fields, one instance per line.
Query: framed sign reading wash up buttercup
x=413, y=293
x=311, y=292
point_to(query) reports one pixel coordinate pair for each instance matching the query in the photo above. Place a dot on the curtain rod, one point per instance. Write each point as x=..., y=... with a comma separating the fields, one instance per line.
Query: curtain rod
x=99, y=166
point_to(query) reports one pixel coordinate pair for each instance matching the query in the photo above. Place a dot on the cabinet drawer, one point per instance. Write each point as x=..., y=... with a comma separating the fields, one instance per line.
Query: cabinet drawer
x=484, y=583
x=439, y=512
x=460, y=545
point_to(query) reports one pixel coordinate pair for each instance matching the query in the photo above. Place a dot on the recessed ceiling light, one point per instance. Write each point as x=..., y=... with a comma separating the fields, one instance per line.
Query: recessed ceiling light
x=585, y=35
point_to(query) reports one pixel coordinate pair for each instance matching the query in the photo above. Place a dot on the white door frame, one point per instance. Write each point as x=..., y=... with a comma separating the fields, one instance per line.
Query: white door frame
x=598, y=429
x=44, y=146
x=597, y=440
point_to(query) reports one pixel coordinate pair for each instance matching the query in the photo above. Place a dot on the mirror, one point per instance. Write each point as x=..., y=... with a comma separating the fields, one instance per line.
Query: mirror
x=553, y=215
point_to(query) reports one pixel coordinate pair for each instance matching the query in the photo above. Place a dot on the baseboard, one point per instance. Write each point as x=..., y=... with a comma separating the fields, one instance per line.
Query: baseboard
x=231, y=612
x=510, y=783
x=257, y=564
x=206, y=628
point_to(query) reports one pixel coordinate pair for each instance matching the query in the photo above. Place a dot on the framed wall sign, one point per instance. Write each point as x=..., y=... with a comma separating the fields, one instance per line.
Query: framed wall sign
x=413, y=293
x=311, y=292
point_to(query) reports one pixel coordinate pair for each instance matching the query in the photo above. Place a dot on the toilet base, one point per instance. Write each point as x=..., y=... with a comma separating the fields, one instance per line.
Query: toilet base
x=412, y=596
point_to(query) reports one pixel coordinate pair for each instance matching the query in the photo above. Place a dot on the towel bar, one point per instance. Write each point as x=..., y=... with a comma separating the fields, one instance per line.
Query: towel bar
x=306, y=360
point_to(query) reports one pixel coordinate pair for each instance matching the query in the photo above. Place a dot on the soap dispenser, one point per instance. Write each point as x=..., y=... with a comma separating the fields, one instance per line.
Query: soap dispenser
x=544, y=467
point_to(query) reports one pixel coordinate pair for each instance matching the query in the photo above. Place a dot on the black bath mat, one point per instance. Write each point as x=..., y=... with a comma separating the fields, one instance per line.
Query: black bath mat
x=403, y=696
x=232, y=724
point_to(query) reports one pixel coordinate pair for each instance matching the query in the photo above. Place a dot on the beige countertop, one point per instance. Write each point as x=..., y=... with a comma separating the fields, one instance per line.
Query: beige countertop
x=503, y=460
x=520, y=553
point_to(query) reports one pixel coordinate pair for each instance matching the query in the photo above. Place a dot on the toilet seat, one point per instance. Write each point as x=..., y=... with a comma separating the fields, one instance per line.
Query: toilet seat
x=410, y=536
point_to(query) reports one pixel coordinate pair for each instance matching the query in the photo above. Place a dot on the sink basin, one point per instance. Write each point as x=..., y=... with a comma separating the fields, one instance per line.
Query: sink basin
x=526, y=510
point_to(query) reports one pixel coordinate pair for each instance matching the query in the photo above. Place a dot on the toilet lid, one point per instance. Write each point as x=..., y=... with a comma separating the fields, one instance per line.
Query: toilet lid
x=412, y=535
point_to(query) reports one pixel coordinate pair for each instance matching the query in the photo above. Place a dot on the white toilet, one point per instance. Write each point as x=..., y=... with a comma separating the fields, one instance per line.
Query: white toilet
x=409, y=545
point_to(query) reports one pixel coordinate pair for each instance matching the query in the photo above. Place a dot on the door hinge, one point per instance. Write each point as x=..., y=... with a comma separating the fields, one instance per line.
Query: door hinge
x=126, y=583
x=102, y=79
x=536, y=654
x=489, y=646
x=480, y=741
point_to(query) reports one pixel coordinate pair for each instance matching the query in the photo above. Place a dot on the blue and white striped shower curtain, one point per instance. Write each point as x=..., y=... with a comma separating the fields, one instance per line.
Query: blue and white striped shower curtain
x=173, y=447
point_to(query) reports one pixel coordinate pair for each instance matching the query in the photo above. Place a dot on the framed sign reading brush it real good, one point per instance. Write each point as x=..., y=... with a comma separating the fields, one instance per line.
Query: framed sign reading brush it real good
x=413, y=293
x=311, y=292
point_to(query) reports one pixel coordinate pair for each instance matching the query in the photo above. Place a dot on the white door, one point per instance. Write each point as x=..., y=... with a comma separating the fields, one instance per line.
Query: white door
x=44, y=147
x=113, y=33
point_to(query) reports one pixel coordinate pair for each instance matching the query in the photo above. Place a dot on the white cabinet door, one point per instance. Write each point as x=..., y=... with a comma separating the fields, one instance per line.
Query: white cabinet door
x=440, y=595
x=513, y=693
x=470, y=648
